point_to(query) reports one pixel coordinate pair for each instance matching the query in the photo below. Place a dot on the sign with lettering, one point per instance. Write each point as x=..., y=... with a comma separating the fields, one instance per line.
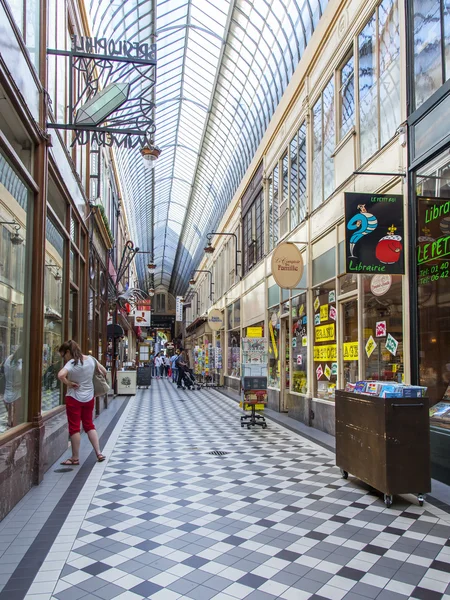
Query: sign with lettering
x=374, y=233
x=325, y=333
x=216, y=319
x=350, y=350
x=433, y=240
x=287, y=265
x=179, y=309
x=325, y=353
x=254, y=332
x=324, y=312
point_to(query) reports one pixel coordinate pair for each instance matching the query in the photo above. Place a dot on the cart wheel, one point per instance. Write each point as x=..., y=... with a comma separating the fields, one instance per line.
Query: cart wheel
x=344, y=474
x=388, y=500
x=264, y=425
x=421, y=499
x=242, y=424
x=248, y=426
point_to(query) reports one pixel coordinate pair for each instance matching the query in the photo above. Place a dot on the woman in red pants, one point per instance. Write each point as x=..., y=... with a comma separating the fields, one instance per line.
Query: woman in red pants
x=77, y=375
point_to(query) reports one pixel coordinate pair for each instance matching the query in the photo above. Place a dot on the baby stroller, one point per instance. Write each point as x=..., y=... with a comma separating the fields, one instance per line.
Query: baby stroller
x=188, y=378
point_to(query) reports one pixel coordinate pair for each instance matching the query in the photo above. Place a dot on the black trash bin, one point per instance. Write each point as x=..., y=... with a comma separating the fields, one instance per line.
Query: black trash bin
x=384, y=442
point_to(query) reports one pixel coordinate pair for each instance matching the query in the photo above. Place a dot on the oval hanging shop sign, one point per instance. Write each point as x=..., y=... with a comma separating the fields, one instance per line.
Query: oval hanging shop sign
x=215, y=319
x=380, y=284
x=287, y=265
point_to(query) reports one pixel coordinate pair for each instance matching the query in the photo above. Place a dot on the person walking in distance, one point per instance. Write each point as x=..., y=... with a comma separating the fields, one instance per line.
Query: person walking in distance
x=159, y=366
x=173, y=364
x=166, y=365
x=77, y=374
x=182, y=362
x=151, y=362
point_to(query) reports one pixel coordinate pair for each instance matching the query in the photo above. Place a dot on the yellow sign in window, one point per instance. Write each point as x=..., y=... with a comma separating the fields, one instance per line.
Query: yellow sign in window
x=325, y=353
x=350, y=350
x=325, y=333
x=254, y=332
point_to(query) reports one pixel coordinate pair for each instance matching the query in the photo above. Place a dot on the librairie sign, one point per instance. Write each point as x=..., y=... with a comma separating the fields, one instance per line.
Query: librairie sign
x=287, y=265
x=374, y=233
x=433, y=239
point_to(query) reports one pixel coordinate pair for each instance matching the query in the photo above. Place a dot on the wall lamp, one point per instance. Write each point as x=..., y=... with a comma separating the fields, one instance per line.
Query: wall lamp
x=209, y=249
x=192, y=281
x=57, y=275
x=16, y=238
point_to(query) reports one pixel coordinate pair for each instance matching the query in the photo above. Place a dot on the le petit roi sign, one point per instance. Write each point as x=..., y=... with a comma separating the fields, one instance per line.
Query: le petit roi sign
x=111, y=83
x=374, y=233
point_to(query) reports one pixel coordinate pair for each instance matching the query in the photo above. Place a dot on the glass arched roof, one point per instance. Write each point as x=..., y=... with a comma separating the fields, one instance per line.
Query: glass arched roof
x=222, y=67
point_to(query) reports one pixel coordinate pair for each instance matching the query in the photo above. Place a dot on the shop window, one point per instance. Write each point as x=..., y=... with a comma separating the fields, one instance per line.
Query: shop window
x=53, y=316
x=346, y=97
x=433, y=297
x=15, y=295
x=431, y=47
x=274, y=347
x=325, y=341
x=298, y=177
x=26, y=15
x=324, y=266
x=273, y=209
x=274, y=295
x=284, y=196
x=323, y=145
x=383, y=323
x=252, y=235
x=299, y=367
x=350, y=348
x=234, y=353
x=379, y=79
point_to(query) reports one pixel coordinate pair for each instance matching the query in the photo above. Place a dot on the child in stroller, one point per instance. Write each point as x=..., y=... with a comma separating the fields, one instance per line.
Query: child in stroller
x=188, y=378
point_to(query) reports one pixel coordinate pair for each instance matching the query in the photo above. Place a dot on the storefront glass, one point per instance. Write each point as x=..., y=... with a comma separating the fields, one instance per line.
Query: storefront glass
x=234, y=353
x=15, y=245
x=382, y=352
x=350, y=353
x=274, y=346
x=234, y=339
x=53, y=316
x=325, y=344
x=433, y=278
x=299, y=367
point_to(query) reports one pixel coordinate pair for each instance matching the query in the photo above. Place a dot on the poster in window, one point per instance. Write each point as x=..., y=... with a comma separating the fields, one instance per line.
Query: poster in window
x=374, y=233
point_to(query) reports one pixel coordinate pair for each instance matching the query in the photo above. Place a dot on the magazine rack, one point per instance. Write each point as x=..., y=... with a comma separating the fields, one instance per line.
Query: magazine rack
x=254, y=380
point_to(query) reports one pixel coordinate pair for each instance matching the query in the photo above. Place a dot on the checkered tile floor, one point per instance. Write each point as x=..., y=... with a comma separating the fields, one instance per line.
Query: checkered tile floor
x=271, y=518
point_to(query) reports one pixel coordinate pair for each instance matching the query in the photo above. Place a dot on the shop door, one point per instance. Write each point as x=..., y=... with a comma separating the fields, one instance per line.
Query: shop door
x=285, y=375
x=350, y=350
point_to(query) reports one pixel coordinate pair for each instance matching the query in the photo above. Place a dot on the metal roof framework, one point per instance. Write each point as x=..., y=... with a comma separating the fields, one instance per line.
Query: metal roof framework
x=222, y=68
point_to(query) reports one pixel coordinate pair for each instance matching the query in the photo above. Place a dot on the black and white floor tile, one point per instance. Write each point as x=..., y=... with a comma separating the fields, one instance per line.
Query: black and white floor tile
x=190, y=505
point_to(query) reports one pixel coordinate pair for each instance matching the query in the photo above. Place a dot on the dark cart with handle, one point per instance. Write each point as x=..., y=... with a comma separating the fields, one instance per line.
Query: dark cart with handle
x=384, y=442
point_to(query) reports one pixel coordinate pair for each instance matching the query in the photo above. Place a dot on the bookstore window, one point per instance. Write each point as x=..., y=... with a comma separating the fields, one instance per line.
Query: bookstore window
x=325, y=341
x=299, y=344
x=274, y=336
x=234, y=339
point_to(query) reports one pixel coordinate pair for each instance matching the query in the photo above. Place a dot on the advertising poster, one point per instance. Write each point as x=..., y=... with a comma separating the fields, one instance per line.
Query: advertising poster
x=374, y=233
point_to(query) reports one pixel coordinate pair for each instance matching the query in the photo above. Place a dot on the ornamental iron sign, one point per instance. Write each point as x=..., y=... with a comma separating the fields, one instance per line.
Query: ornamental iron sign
x=110, y=92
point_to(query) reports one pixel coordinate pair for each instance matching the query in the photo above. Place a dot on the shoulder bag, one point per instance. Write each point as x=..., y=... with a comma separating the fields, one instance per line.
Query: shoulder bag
x=101, y=386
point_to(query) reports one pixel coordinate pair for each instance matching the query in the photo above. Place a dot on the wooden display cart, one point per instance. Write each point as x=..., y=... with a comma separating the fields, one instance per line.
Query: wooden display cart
x=384, y=442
